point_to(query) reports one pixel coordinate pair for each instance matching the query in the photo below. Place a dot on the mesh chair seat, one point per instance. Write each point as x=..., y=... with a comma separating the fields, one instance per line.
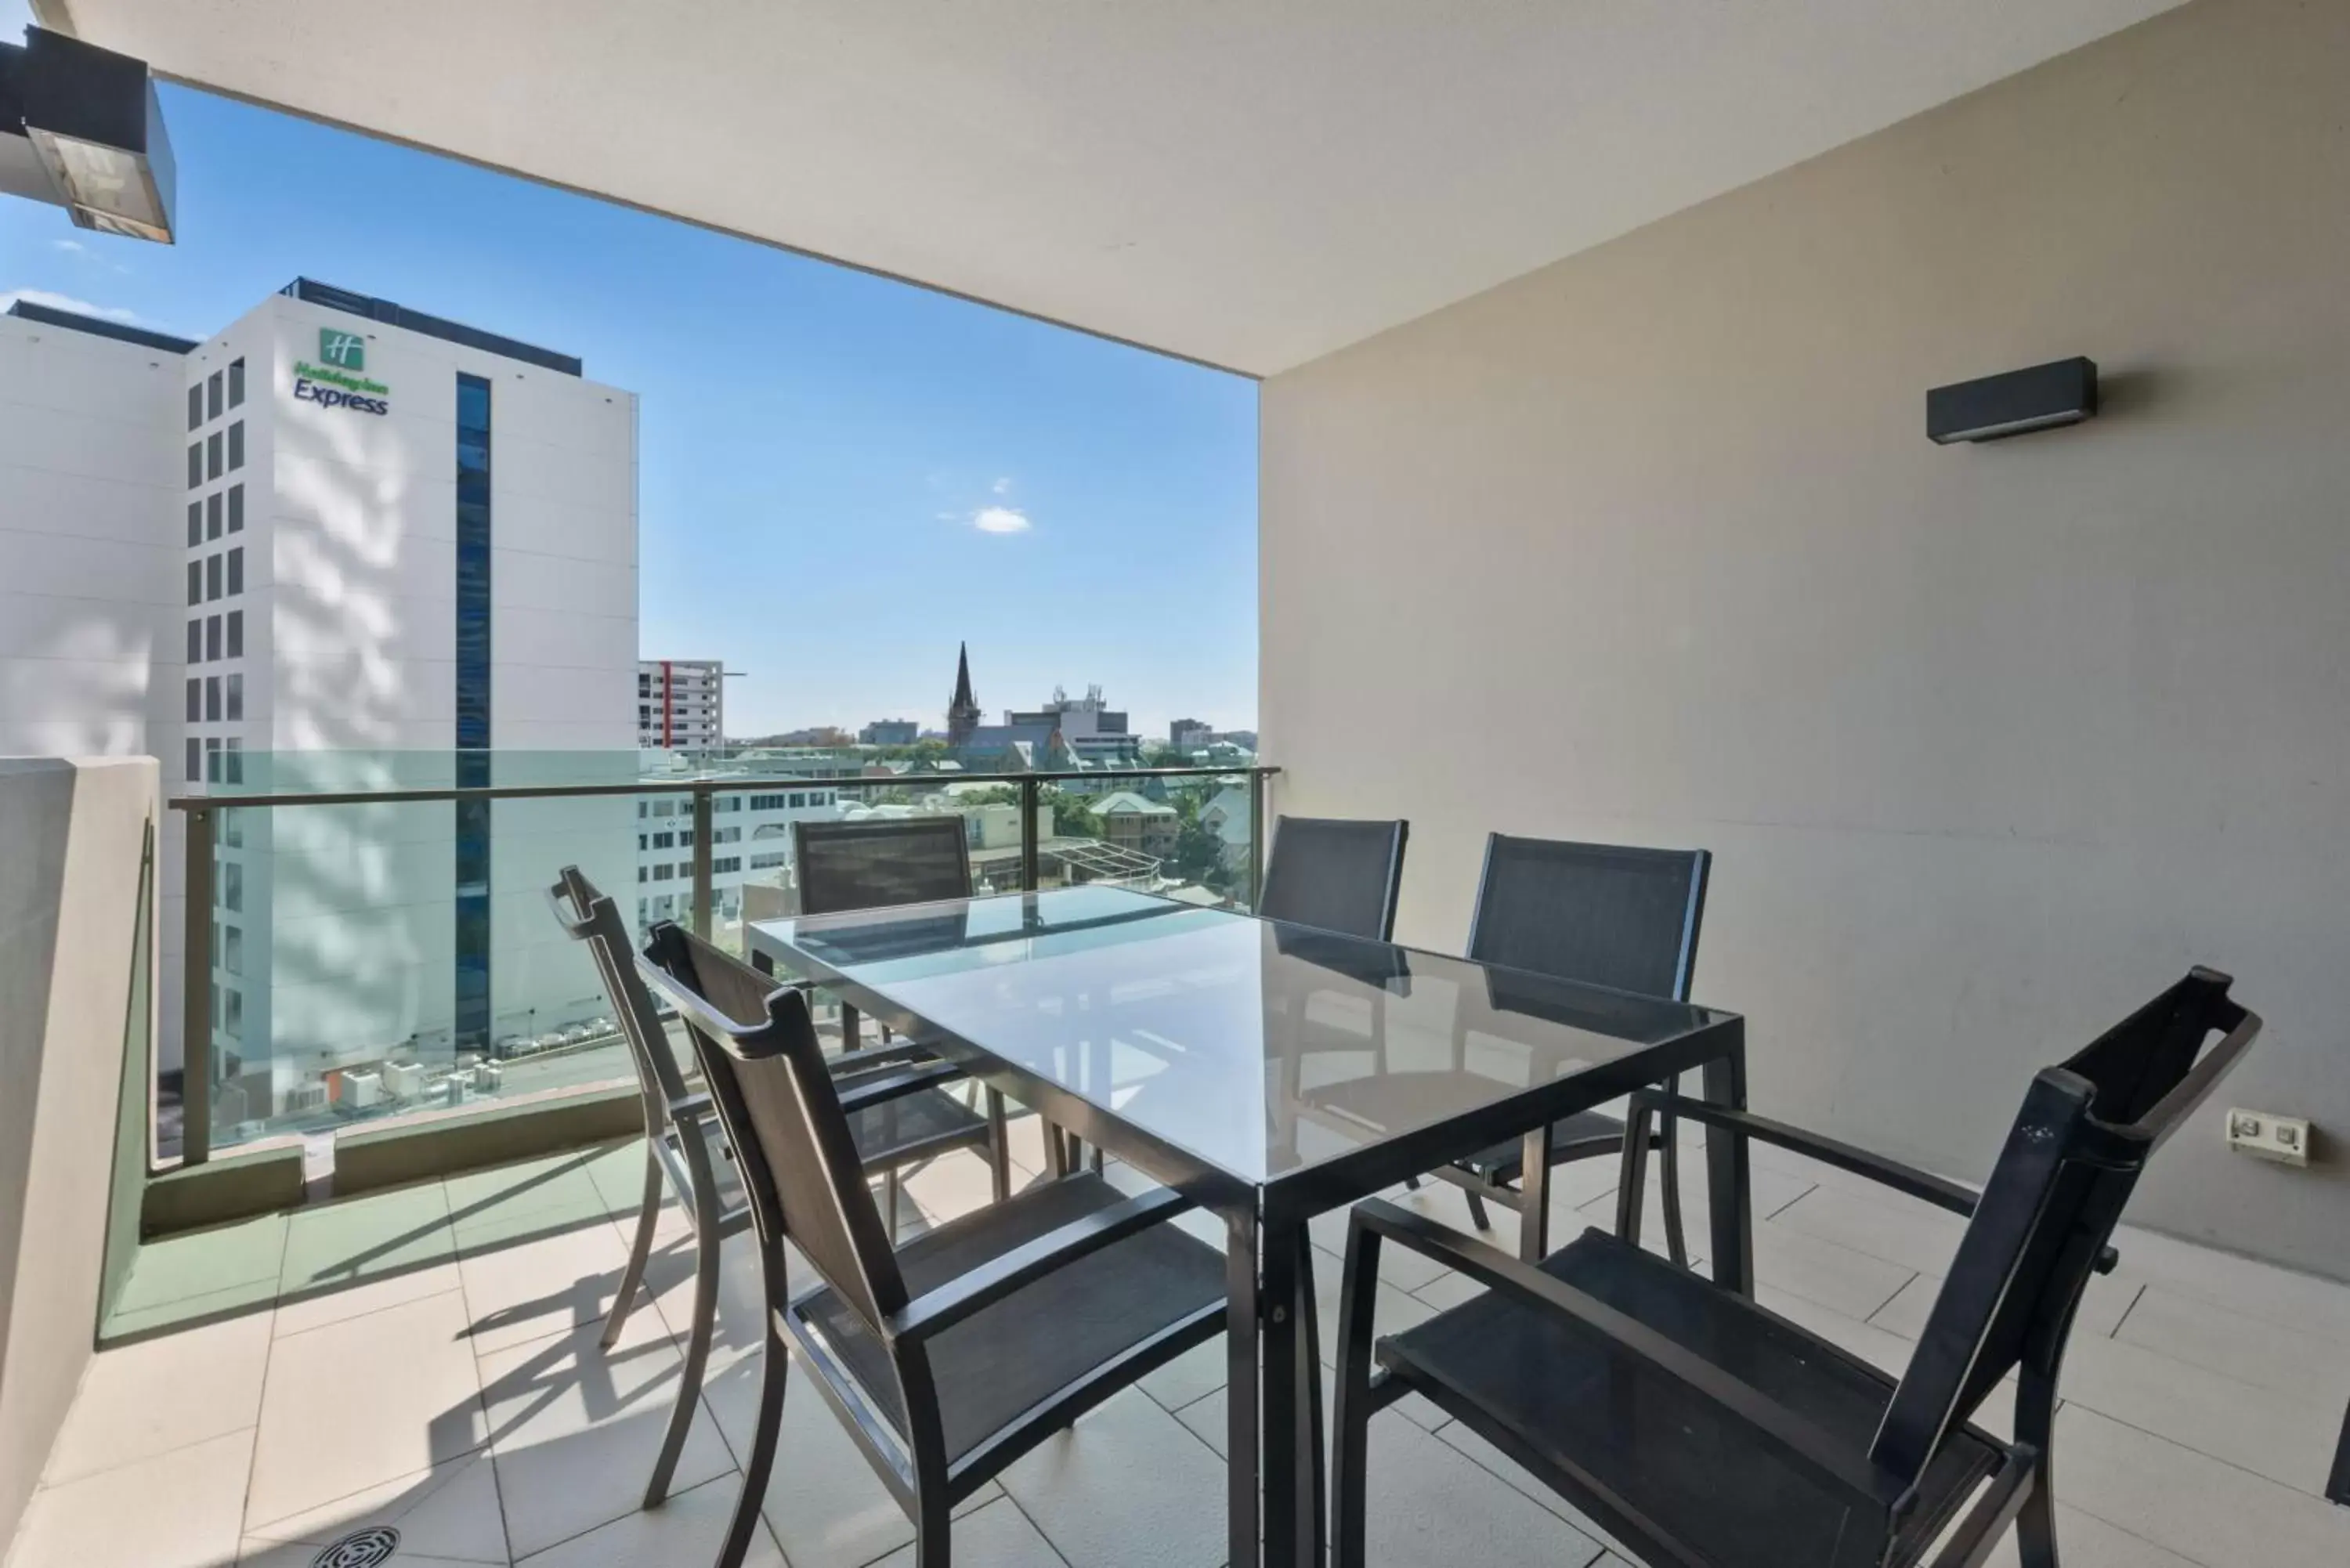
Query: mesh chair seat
x=896, y=1131
x=1531, y=1380
x=1007, y=1359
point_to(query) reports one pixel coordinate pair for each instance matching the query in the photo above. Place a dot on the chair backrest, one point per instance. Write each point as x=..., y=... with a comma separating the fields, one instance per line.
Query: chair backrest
x=585, y=912
x=1602, y=914
x=2084, y=1134
x=776, y=1098
x=881, y=861
x=1336, y=875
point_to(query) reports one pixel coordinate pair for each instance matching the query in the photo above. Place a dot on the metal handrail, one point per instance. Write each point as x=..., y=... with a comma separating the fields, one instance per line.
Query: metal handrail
x=203, y=811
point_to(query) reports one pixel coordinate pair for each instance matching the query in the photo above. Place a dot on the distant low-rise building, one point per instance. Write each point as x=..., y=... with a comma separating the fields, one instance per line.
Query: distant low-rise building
x=1130, y=820
x=891, y=732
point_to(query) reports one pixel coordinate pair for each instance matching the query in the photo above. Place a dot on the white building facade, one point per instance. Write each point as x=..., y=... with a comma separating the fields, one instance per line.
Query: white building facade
x=340, y=545
x=680, y=704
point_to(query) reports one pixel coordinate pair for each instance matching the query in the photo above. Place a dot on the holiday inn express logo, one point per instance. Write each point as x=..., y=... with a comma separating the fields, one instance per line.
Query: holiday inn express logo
x=343, y=350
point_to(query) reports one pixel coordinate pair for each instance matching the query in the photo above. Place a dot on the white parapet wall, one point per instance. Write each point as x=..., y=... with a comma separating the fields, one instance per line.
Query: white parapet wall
x=71, y=871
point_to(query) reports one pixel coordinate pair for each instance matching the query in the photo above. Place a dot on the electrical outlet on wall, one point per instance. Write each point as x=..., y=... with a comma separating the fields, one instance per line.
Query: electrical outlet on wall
x=2284, y=1139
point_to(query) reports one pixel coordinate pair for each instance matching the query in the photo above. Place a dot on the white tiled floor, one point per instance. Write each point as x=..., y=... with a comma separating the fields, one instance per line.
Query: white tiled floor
x=467, y=1403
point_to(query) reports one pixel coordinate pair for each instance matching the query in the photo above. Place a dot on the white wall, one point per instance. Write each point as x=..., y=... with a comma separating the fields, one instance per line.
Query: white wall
x=1991, y=742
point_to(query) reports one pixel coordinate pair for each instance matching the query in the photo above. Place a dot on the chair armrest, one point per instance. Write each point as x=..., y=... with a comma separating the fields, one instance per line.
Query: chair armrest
x=1922, y=1185
x=690, y=1107
x=950, y=1303
x=879, y=1088
x=850, y=1062
x=1837, y=1465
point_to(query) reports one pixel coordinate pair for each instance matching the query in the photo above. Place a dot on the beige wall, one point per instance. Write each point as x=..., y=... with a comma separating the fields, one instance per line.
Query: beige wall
x=1991, y=742
x=71, y=840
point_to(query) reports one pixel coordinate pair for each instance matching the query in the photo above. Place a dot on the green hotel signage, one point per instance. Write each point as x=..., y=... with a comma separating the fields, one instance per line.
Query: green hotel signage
x=343, y=350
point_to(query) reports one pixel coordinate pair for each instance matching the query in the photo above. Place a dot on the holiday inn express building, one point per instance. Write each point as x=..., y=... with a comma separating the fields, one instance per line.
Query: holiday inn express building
x=337, y=546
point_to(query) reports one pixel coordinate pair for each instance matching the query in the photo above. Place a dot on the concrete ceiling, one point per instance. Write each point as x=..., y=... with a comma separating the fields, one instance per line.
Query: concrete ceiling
x=1249, y=183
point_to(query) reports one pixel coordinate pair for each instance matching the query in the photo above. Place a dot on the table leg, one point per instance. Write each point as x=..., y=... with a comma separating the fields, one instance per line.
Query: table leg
x=1729, y=1172
x=1295, y=1492
x=2338, y=1487
x=1240, y=1431
x=1534, y=1188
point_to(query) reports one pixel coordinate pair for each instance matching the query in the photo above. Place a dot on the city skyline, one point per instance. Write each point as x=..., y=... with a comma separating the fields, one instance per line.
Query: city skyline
x=840, y=475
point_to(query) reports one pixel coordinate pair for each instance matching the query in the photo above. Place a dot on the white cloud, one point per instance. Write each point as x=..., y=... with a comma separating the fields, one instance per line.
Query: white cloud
x=1001, y=487
x=999, y=519
x=9, y=297
x=71, y=247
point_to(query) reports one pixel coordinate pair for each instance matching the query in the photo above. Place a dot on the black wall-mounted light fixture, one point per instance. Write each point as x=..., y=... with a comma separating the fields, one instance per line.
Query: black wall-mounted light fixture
x=2040, y=399
x=80, y=128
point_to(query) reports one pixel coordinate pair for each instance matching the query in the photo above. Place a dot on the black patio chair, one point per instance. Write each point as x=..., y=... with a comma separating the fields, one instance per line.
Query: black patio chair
x=1336, y=875
x=1602, y=914
x=686, y=1152
x=1700, y=1429
x=874, y=864
x=950, y=1358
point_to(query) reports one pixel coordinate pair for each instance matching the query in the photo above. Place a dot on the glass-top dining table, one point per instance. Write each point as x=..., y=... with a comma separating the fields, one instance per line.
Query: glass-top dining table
x=1271, y=1073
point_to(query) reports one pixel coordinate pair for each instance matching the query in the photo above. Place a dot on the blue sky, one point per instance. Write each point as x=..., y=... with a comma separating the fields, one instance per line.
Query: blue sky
x=841, y=477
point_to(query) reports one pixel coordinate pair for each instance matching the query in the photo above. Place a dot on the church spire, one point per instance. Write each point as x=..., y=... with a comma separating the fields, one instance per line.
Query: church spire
x=963, y=710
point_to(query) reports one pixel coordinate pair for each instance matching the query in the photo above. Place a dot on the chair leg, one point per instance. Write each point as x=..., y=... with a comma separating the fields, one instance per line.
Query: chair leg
x=632, y=1277
x=706, y=1243
x=889, y=1201
x=999, y=1150
x=761, y=1463
x=2035, y=1524
x=1411, y=1184
x=1351, y=1415
x=934, y=1531
x=1676, y=1236
x=1477, y=1215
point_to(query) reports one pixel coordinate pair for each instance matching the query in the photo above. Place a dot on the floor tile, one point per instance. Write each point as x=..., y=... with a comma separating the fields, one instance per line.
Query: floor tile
x=574, y=1429
x=1428, y=1502
x=1205, y=1416
x=449, y=1513
x=2084, y=1540
x=2287, y=1438
x=1900, y=1230
x=1393, y=1313
x=549, y=1285
x=1192, y=1375
x=826, y=1506
x=261, y=1554
x=687, y=1530
x=362, y=1402
x=617, y=1171
x=2104, y=1304
x=176, y=1510
x=300, y=1314
x=550, y=1194
x=170, y=1317
x=2267, y=1356
x=2264, y=1292
x=358, y=1241
x=1126, y=1486
x=2199, y=1507
x=996, y=1536
x=140, y=1400
x=1838, y=1278
x=240, y=1259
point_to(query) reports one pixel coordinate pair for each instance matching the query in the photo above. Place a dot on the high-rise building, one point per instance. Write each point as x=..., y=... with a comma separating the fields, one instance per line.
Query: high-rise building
x=680, y=704
x=339, y=545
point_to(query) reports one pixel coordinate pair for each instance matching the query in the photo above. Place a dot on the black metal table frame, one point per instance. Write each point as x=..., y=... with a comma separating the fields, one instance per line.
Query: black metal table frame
x=1271, y=1332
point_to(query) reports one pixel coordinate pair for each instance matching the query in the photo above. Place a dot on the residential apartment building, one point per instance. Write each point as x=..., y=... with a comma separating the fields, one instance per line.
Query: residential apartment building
x=751, y=831
x=680, y=704
x=1093, y=730
x=339, y=545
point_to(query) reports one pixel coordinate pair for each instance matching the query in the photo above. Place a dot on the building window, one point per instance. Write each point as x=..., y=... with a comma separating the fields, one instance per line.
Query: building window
x=237, y=445
x=212, y=576
x=727, y=862
x=235, y=693
x=195, y=407
x=196, y=464
x=196, y=642
x=233, y=1018
x=195, y=582
x=236, y=571
x=642, y=874
x=236, y=508
x=195, y=699
x=473, y=737
x=662, y=872
x=195, y=760
x=232, y=887
x=236, y=383
x=213, y=516
x=769, y=862
x=233, y=761
x=211, y=760
x=232, y=947
x=212, y=699
x=213, y=396
x=232, y=829
x=213, y=455
x=236, y=634
x=664, y=841
x=195, y=522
